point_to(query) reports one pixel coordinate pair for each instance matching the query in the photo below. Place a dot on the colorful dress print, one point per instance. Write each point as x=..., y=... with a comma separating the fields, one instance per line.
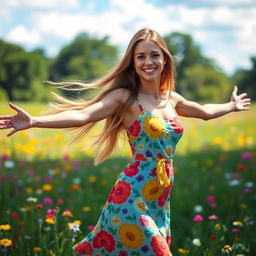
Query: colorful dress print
x=136, y=217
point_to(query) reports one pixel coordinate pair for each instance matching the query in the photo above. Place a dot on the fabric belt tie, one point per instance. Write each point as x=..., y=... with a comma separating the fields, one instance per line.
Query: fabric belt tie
x=161, y=171
x=162, y=177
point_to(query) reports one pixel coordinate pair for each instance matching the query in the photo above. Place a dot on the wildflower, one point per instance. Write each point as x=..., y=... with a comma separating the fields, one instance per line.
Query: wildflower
x=75, y=187
x=74, y=227
x=47, y=187
x=198, y=208
x=67, y=213
x=29, y=190
x=217, y=226
x=91, y=227
x=86, y=208
x=9, y=164
x=246, y=156
x=235, y=230
x=50, y=220
x=247, y=190
x=92, y=179
x=39, y=206
x=234, y=182
x=241, y=167
x=182, y=251
x=226, y=248
x=212, y=217
x=198, y=218
x=210, y=199
x=5, y=227
x=60, y=200
x=213, y=238
x=5, y=242
x=37, y=249
x=32, y=199
x=51, y=210
x=50, y=216
x=14, y=215
x=249, y=184
x=48, y=200
x=196, y=242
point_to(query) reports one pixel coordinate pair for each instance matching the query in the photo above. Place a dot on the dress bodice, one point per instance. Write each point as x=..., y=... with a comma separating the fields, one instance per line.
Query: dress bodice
x=151, y=137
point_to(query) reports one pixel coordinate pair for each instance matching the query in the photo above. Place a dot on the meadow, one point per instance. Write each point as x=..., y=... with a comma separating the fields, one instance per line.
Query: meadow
x=52, y=194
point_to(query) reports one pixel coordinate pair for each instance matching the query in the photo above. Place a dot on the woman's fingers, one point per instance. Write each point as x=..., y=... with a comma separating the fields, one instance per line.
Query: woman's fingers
x=5, y=117
x=14, y=107
x=11, y=133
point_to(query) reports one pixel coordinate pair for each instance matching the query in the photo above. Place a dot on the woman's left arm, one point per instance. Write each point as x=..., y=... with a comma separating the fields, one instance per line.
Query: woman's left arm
x=209, y=111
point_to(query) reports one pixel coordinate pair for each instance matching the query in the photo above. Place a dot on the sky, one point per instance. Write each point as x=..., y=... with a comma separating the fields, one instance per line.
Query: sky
x=225, y=30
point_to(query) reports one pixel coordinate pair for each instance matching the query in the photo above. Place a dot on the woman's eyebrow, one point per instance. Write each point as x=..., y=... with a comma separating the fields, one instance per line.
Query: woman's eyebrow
x=154, y=51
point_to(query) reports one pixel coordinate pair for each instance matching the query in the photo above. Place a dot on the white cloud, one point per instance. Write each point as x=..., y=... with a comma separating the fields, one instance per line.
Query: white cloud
x=20, y=34
x=217, y=29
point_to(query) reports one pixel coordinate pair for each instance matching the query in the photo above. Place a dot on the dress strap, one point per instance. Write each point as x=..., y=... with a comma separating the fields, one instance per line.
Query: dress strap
x=140, y=106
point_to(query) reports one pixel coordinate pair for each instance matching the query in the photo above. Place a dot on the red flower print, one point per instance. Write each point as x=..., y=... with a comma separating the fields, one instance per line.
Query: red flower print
x=135, y=128
x=160, y=155
x=140, y=156
x=176, y=125
x=164, y=196
x=144, y=221
x=84, y=248
x=120, y=192
x=132, y=169
x=123, y=253
x=160, y=246
x=104, y=240
x=169, y=240
x=132, y=148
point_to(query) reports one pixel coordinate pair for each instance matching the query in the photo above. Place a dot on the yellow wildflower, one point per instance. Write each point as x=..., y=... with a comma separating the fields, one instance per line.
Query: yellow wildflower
x=5, y=227
x=47, y=187
x=92, y=179
x=86, y=208
x=5, y=242
x=50, y=220
x=182, y=251
x=37, y=249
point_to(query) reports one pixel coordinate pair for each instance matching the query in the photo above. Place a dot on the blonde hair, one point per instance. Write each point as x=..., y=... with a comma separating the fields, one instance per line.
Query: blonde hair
x=122, y=76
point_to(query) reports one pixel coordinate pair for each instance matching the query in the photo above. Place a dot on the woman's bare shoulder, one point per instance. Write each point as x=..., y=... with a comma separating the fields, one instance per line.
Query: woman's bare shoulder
x=122, y=94
x=176, y=98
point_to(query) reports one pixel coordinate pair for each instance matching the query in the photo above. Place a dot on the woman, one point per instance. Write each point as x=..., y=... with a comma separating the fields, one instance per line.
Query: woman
x=140, y=100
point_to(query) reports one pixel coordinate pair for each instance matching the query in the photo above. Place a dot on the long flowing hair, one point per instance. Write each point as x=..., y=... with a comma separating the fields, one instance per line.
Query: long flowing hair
x=123, y=75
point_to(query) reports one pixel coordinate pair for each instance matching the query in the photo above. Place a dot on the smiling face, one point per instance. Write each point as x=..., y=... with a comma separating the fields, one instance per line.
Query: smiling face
x=149, y=61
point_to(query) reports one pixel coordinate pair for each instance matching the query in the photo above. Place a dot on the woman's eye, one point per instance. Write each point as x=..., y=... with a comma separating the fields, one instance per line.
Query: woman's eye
x=140, y=57
x=156, y=55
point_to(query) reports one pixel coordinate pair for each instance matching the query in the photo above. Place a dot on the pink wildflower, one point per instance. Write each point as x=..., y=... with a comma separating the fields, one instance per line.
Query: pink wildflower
x=198, y=218
x=212, y=217
x=210, y=199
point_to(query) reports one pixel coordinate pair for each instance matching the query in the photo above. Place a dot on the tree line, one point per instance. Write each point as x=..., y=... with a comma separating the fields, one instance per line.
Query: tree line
x=86, y=58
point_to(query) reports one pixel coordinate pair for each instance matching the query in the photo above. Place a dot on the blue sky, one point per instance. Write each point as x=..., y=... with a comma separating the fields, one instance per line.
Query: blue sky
x=225, y=30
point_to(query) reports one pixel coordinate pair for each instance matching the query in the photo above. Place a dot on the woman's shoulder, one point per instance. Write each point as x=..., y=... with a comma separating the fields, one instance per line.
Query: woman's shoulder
x=176, y=98
x=122, y=94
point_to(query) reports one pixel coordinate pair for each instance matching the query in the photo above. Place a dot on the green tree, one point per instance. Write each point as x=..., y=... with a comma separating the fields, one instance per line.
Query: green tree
x=198, y=77
x=246, y=79
x=22, y=73
x=86, y=58
x=205, y=83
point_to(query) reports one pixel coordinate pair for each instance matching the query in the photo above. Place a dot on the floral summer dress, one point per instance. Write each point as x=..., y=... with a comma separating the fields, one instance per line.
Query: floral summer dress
x=136, y=217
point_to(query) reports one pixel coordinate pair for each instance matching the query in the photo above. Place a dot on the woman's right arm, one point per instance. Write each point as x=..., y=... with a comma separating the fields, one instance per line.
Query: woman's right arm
x=70, y=118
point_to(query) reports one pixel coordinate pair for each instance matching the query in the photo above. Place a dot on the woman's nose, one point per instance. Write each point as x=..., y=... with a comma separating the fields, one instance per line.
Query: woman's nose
x=149, y=60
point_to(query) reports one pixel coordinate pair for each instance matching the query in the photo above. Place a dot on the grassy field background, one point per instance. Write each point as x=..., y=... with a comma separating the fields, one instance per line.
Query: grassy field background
x=213, y=199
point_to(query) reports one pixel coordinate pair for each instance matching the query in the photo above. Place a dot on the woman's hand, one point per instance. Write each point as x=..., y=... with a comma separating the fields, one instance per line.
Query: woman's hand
x=20, y=121
x=239, y=102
